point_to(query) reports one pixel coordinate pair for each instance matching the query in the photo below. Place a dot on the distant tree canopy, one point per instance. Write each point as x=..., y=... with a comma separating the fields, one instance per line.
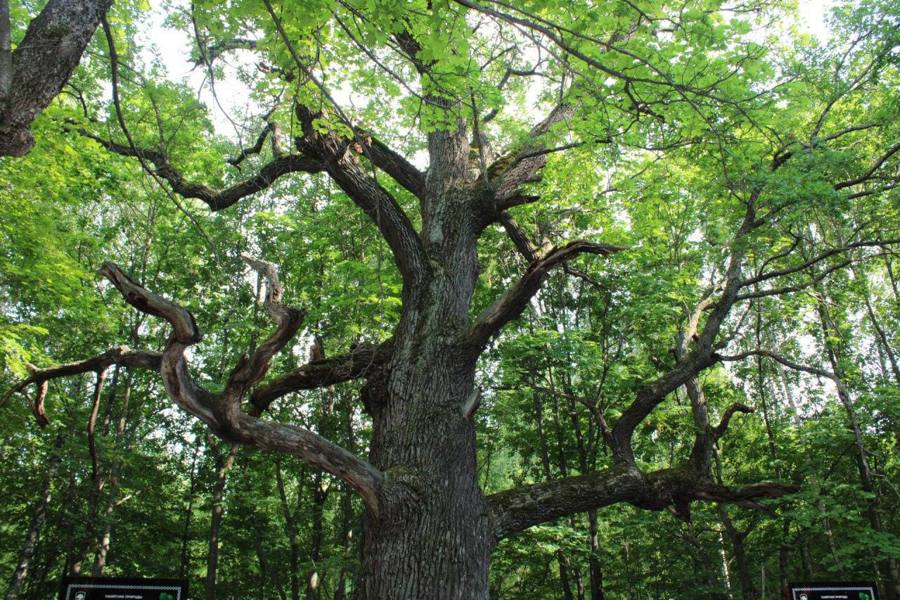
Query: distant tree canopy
x=543, y=299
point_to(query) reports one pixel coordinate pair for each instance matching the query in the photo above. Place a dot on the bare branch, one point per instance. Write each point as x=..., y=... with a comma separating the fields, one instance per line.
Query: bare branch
x=733, y=409
x=782, y=360
x=518, y=237
x=701, y=356
x=250, y=370
x=254, y=149
x=120, y=355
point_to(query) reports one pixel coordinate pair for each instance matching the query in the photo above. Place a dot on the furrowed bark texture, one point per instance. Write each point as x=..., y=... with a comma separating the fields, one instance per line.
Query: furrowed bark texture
x=41, y=64
x=432, y=539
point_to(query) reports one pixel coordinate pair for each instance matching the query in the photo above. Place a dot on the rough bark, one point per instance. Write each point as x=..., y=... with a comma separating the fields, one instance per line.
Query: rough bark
x=35, y=72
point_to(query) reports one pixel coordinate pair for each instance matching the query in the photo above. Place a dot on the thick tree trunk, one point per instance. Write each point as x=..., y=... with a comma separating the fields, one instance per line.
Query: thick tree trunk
x=432, y=537
x=34, y=73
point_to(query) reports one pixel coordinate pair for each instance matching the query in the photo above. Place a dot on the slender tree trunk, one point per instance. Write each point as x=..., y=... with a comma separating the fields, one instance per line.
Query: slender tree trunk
x=218, y=495
x=98, y=481
x=184, y=563
x=313, y=579
x=890, y=572
x=564, y=575
x=38, y=517
x=596, y=569
x=291, y=528
x=265, y=570
x=882, y=341
x=561, y=559
x=346, y=541
x=113, y=467
x=736, y=540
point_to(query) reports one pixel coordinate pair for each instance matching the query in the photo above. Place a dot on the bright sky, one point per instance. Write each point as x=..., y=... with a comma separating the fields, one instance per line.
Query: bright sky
x=174, y=48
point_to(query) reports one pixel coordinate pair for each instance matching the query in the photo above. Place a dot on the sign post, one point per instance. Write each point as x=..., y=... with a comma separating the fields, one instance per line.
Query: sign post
x=122, y=588
x=832, y=591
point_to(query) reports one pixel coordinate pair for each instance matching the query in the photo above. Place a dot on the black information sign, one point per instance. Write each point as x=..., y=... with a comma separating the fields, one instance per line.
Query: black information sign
x=832, y=591
x=122, y=588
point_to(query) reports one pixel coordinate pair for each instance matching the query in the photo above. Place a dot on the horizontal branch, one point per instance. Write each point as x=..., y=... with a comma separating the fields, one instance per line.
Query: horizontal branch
x=518, y=509
x=321, y=373
x=214, y=198
x=814, y=260
x=513, y=302
x=782, y=360
x=121, y=355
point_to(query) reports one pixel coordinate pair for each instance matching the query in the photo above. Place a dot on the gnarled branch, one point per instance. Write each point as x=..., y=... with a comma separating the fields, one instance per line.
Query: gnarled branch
x=221, y=412
x=120, y=355
x=214, y=198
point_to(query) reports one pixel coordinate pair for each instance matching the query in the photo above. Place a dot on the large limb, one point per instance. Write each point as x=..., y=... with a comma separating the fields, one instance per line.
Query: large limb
x=393, y=163
x=321, y=373
x=508, y=173
x=518, y=509
x=32, y=75
x=222, y=411
x=215, y=199
x=515, y=300
x=338, y=158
